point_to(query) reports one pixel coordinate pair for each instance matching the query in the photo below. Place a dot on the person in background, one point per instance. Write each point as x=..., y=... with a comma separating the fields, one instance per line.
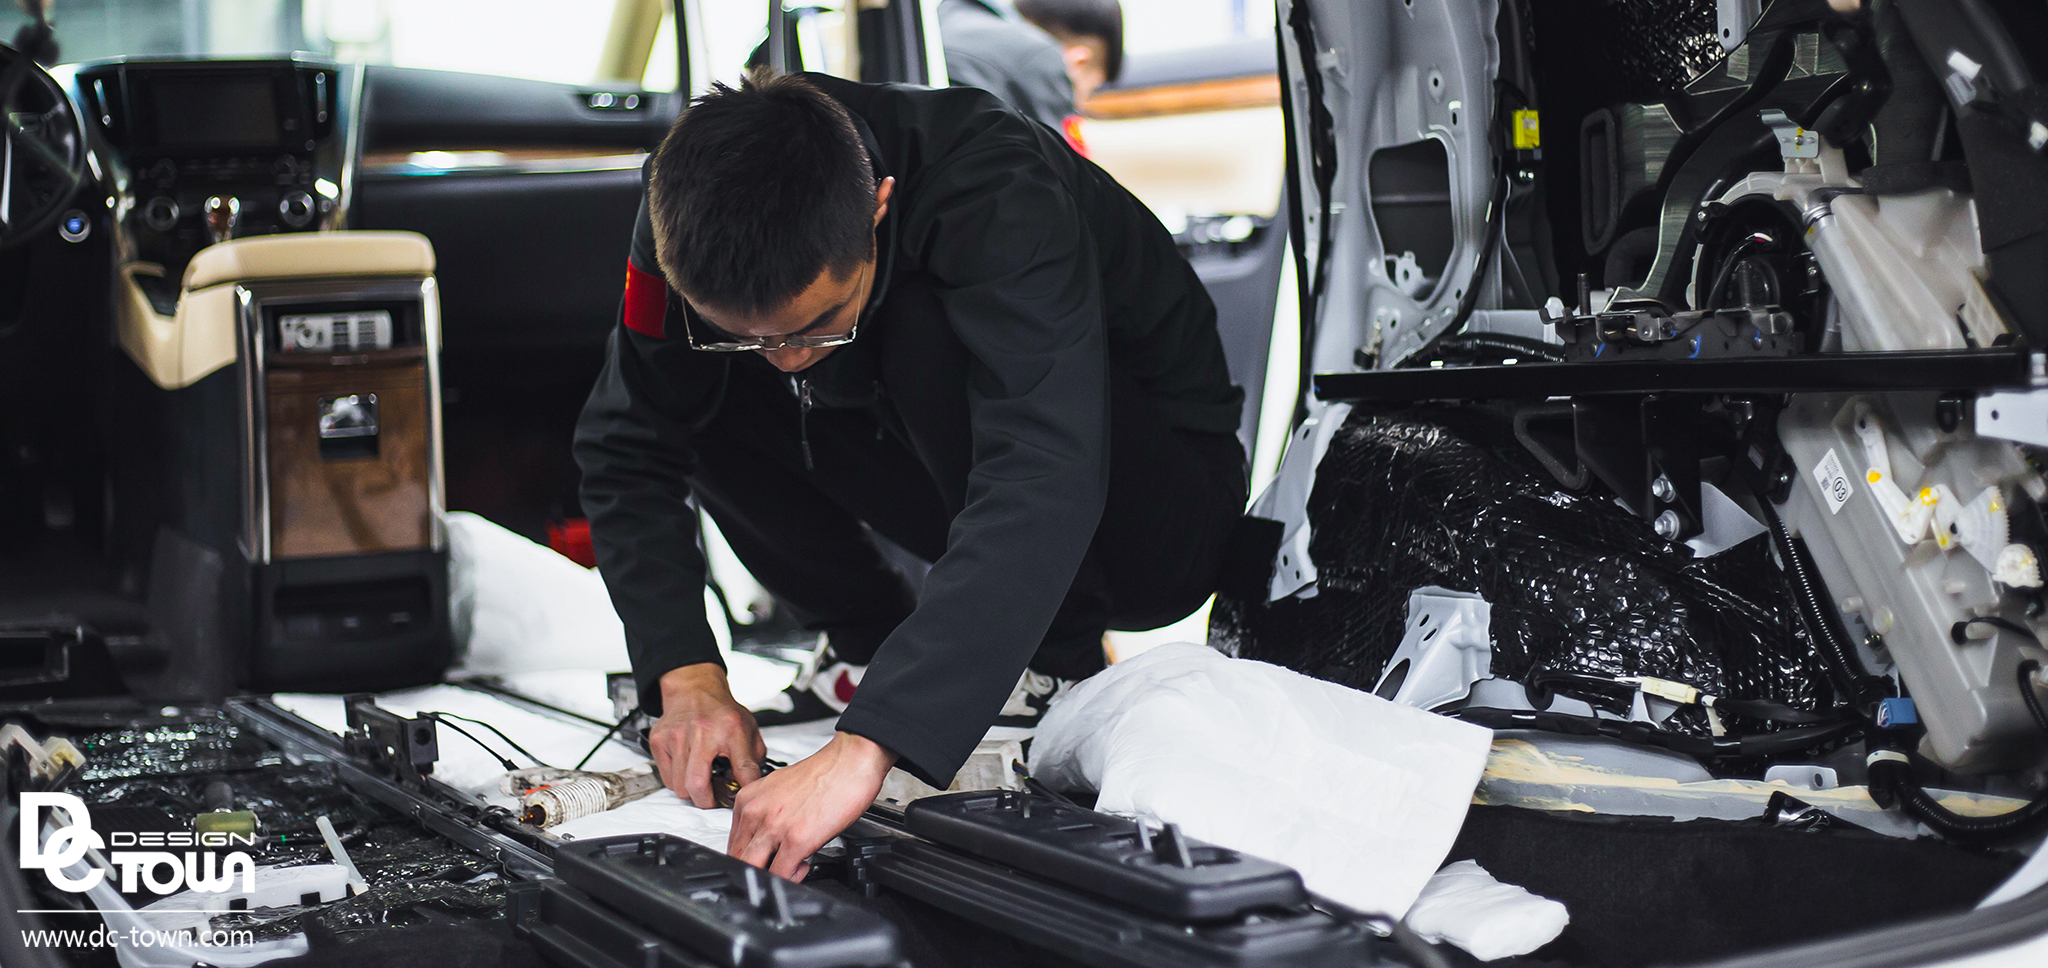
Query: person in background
x=1091, y=38
x=988, y=46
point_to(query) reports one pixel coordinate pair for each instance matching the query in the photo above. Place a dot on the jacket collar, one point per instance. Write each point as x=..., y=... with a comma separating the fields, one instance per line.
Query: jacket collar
x=885, y=233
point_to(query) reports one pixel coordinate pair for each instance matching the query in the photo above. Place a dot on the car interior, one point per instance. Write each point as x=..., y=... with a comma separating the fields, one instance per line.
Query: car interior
x=1695, y=341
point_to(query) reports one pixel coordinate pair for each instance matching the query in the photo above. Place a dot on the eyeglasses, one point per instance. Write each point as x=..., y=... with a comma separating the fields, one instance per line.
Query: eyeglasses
x=694, y=325
x=692, y=322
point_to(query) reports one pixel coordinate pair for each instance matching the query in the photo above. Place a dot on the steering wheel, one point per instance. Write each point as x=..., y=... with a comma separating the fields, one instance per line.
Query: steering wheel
x=42, y=149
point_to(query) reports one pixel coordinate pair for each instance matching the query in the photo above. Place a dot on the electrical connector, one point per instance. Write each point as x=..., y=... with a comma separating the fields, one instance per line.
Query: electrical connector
x=1897, y=713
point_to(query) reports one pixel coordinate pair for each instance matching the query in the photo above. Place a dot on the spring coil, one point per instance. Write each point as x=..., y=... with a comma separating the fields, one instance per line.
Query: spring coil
x=566, y=800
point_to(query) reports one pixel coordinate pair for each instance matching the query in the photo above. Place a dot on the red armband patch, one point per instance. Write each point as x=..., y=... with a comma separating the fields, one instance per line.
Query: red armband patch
x=1072, y=129
x=646, y=305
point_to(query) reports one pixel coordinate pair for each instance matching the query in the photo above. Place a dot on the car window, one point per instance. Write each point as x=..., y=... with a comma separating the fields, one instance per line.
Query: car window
x=1193, y=128
x=1160, y=25
x=580, y=42
x=732, y=34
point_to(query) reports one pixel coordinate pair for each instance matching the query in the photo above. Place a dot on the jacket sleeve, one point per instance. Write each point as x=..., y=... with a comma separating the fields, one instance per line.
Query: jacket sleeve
x=633, y=446
x=1018, y=280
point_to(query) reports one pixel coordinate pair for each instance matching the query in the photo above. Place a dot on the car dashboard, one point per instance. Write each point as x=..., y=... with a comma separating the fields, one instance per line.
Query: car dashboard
x=191, y=152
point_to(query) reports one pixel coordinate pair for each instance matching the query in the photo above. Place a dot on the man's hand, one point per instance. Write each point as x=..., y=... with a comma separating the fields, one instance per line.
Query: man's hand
x=780, y=821
x=699, y=722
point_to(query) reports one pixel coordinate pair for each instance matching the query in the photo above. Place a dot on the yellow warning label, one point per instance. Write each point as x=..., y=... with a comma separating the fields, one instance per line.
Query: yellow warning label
x=1527, y=133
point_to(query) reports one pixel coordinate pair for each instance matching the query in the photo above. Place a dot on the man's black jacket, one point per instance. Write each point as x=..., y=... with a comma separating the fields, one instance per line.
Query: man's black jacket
x=1050, y=273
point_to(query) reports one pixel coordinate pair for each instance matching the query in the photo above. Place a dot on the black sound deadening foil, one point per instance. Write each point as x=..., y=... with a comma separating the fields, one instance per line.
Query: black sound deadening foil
x=154, y=777
x=1664, y=43
x=1446, y=497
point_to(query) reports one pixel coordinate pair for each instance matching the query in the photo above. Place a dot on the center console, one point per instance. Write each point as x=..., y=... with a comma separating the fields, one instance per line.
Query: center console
x=215, y=150
x=282, y=461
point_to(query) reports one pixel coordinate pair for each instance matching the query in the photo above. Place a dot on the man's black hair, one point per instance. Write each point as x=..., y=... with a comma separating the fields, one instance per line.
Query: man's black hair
x=1100, y=19
x=756, y=190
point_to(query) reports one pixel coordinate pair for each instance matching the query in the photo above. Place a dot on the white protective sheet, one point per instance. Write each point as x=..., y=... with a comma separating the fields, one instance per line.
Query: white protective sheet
x=544, y=627
x=1361, y=795
x=561, y=741
x=546, y=624
x=517, y=606
x=1466, y=906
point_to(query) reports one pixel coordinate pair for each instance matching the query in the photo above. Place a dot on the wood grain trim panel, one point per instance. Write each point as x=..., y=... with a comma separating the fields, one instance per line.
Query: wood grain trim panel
x=357, y=505
x=1262, y=90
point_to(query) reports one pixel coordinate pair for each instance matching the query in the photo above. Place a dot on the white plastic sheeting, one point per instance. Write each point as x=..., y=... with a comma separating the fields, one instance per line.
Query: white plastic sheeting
x=1361, y=795
x=520, y=610
x=561, y=741
x=1465, y=906
x=545, y=627
x=517, y=606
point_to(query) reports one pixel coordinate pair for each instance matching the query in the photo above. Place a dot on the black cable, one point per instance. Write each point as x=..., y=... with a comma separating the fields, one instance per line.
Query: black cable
x=608, y=734
x=1844, y=664
x=1617, y=695
x=503, y=760
x=1728, y=263
x=1322, y=143
x=1413, y=945
x=509, y=741
x=1505, y=343
x=1540, y=684
x=1959, y=633
x=1646, y=734
x=1892, y=778
x=1322, y=162
x=2027, y=694
x=1496, y=226
x=1777, y=712
x=1514, y=263
x=493, y=687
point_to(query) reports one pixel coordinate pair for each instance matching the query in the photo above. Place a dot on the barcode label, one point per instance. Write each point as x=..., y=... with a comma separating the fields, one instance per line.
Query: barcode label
x=1834, y=484
x=335, y=332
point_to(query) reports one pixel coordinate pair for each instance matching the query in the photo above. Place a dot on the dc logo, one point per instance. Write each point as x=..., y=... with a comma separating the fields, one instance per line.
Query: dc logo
x=161, y=871
x=66, y=846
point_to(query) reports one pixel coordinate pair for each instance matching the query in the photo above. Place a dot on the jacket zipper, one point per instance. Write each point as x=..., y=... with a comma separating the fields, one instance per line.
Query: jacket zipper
x=803, y=419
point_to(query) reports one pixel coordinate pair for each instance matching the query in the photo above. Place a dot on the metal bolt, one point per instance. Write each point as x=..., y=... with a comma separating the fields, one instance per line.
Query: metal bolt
x=1662, y=490
x=1666, y=526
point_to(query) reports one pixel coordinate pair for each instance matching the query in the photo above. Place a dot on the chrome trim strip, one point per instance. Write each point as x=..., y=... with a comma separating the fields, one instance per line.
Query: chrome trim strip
x=690, y=20
x=255, y=426
x=430, y=333
x=778, y=33
x=428, y=164
x=352, y=148
x=934, y=46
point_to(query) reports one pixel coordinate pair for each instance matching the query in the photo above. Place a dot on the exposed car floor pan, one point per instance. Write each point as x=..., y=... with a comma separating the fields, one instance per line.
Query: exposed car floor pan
x=1648, y=891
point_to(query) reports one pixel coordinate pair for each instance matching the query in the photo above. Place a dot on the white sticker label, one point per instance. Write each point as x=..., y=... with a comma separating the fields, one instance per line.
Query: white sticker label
x=1834, y=485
